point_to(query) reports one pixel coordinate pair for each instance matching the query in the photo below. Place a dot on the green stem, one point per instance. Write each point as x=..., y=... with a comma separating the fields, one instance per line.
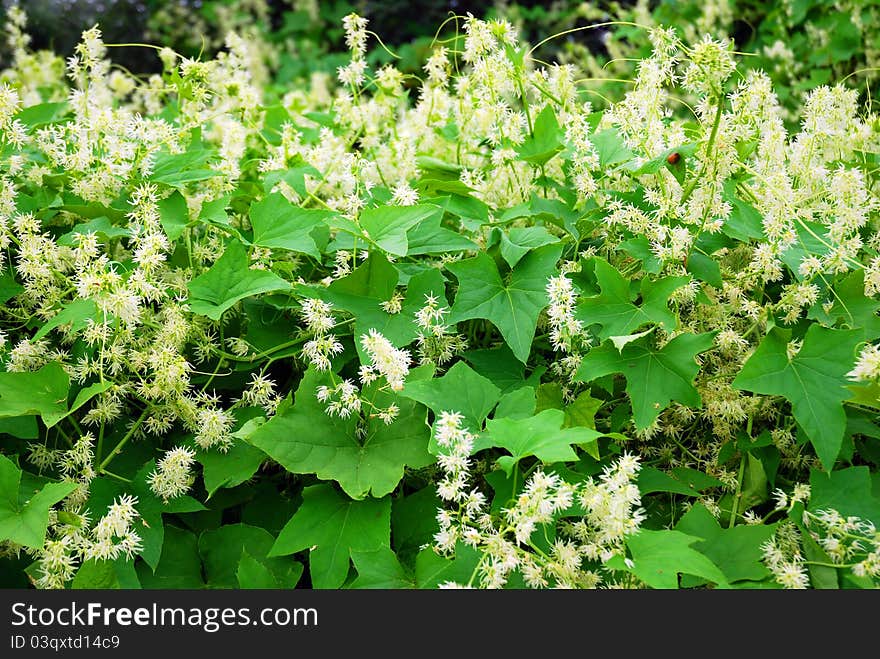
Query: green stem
x=118, y=448
x=693, y=184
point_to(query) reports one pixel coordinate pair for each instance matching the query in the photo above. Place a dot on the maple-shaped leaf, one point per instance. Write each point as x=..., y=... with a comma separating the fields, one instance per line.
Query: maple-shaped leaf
x=512, y=306
x=305, y=440
x=363, y=291
x=614, y=310
x=737, y=550
x=331, y=526
x=461, y=390
x=654, y=377
x=228, y=281
x=541, y=435
x=813, y=381
x=24, y=511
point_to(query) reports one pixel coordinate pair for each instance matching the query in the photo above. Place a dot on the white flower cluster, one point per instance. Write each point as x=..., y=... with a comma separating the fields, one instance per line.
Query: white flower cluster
x=564, y=327
x=505, y=540
x=385, y=360
x=319, y=321
x=173, y=474
x=436, y=345
x=75, y=540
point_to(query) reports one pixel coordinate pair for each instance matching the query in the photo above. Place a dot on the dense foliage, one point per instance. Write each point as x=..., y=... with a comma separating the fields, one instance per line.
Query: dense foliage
x=489, y=323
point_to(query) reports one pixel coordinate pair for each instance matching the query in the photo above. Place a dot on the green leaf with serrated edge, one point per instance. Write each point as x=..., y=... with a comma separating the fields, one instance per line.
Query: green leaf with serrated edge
x=614, y=310
x=173, y=214
x=658, y=557
x=180, y=565
x=518, y=242
x=387, y=226
x=304, y=439
x=736, y=551
x=380, y=569
x=24, y=514
x=279, y=224
x=228, y=281
x=42, y=392
x=461, y=389
x=545, y=140
x=512, y=307
x=654, y=377
x=221, y=551
x=330, y=526
x=814, y=381
x=362, y=293
x=76, y=313
x=541, y=435
x=848, y=491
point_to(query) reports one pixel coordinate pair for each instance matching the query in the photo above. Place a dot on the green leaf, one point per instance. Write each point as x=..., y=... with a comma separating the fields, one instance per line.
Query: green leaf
x=461, y=390
x=814, y=381
x=737, y=550
x=660, y=556
x=610, y=148
x=173, y=214
x=99, y=225
x=76, y=313
x=231, y=468
x=84, y=396
x=331, y=526
x=518, y=242
x=252, y=574
x=848, y=491
x=429, y=237
x=24, y=513
x=179, y=566
x=363, y=291
x=42, y=392
x=545, y=140
x=414, y=520
x=541, y=435
x=228, y=281
x=305, y=440
x=512, y=307
x=106, y=575
x=43, y=113
x=852, y=307
x=680, y=480
x=178, y=169
x=386, y=226
x=221, y=551
x=278, y=224
x=614, y=310
x=380, y=569
x=654, y=378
